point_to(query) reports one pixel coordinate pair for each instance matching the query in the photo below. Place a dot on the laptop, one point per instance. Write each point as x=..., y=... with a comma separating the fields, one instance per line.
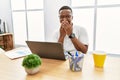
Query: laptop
x=50, y=50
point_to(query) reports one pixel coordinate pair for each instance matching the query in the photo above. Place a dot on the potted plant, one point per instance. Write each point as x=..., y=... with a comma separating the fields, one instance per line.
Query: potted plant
x=31, y=63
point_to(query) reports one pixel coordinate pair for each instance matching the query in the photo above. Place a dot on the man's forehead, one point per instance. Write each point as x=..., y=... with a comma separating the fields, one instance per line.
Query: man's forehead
x=64, y=11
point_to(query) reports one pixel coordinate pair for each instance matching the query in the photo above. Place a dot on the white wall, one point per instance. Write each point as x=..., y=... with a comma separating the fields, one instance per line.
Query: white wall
x=5, y=13
x=51, y=8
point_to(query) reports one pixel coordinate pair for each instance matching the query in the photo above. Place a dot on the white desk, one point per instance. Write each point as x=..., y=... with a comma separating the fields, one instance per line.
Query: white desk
x=59, y=70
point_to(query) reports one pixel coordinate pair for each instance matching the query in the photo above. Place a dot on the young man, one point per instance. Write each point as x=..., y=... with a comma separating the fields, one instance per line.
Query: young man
x=72, y=37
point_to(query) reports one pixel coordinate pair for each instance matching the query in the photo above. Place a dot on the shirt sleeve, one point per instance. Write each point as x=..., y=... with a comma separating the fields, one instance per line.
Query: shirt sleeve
x=83, y=36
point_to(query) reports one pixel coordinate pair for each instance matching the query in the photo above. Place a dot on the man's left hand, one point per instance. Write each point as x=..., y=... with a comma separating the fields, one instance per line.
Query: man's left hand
x=68, y=27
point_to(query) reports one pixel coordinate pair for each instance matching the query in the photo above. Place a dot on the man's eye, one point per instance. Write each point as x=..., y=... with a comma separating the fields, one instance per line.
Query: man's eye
x=61, y=16
x=65, y=16
x=68, y=16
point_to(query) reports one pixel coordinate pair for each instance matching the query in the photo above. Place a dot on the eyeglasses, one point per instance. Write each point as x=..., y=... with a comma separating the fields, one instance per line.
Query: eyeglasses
x=67, y=16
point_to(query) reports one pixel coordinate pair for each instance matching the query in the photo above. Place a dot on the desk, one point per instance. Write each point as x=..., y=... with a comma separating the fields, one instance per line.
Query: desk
x=59, y=70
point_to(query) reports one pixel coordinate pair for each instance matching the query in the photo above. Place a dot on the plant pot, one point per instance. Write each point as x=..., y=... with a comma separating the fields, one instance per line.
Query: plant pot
x=32, y=70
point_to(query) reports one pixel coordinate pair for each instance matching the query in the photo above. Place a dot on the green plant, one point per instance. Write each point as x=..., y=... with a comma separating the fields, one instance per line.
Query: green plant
x=31, y=61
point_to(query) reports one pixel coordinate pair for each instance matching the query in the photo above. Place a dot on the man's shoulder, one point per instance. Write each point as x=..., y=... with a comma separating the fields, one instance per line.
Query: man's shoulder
x=56, y=32
x=78, y=27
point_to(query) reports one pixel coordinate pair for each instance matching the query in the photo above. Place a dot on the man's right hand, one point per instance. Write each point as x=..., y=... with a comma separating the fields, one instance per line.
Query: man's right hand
x=62, y=34
x=62, y=31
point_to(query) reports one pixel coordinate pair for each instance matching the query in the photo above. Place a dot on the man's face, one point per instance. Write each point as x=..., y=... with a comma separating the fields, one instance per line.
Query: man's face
x=65, y=15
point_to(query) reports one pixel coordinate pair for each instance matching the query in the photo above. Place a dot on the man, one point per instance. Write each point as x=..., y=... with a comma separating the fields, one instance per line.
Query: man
x=72, y=37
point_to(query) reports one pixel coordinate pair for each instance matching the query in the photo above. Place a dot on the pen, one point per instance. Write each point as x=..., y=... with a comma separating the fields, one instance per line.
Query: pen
x=76, y=54
x=69, y=53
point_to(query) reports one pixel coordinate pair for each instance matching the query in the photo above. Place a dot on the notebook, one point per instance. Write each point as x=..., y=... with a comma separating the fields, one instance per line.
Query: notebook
x=17, y=52
x=50, y=50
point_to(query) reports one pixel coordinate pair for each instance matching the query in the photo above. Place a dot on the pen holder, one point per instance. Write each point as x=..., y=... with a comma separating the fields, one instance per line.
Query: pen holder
x=76, y=62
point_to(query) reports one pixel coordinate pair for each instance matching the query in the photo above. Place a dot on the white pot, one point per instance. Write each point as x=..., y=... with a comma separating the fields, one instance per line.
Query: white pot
x=32, y=70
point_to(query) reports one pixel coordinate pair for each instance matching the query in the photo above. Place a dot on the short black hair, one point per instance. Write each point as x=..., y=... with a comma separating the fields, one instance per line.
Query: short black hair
x=65, y=7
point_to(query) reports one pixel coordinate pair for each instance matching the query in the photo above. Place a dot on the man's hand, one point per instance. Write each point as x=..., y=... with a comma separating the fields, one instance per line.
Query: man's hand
x=62, y=34
x=62, y=31
x=68, y=27
x=65, y=29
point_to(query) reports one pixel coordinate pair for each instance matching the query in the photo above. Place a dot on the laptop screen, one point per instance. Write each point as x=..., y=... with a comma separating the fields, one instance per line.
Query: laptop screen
x=51, y=50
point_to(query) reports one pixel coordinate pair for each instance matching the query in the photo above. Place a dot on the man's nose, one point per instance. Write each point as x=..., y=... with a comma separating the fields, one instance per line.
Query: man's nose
x=64, y=19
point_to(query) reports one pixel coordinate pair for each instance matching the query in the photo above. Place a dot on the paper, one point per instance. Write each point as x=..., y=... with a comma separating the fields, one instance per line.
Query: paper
x=18, y=52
